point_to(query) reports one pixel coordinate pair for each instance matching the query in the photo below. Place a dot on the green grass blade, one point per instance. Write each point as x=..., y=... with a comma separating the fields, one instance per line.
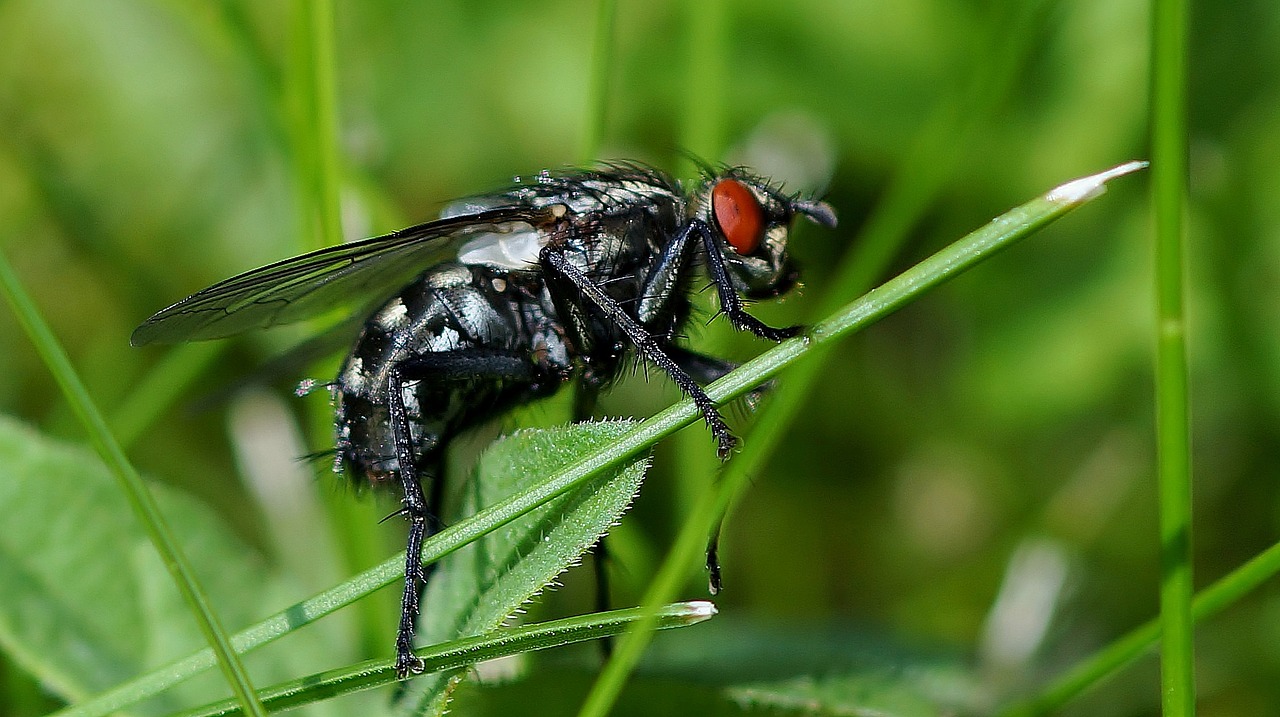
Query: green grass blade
x=706, y=43
x=325, y=106
x=140, y=498
x=999, y=234
x=603, y=61
x=1173, y=431
x=461, y=653
x=1133, y=645
x=311, y=99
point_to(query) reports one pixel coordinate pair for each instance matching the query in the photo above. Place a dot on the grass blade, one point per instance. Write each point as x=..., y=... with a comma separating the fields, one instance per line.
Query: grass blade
x=706, y=68
x=314, y=123
x=140, y=498
x=1173, y=431
x=603, y=60
x=461, y=653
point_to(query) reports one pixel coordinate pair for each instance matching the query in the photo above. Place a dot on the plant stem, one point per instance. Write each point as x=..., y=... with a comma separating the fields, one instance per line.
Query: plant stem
x=460, y=653
x=708, y=51
x=1169, y=172
x=139, y=496
x=602, y=65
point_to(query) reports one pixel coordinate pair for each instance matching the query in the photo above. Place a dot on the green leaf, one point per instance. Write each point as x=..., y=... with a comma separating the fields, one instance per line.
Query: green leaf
x=85, y=601
x=477, y=588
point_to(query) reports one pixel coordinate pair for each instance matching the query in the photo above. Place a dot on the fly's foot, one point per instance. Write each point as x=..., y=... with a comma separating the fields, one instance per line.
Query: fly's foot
x=408, y=664
x=714, y=581
x=743, y=321
x=725, y=443
x=781, y=334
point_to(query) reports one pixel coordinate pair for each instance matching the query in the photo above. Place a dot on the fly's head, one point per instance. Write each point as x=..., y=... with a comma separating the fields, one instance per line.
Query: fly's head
x=751, y=220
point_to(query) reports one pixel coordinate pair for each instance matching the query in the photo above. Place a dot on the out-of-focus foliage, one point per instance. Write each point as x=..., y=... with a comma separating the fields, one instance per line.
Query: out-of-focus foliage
x=972, y=486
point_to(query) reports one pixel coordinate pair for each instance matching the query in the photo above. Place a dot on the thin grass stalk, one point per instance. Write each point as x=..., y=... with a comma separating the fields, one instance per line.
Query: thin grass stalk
x=1173, y=432
x=136, y=491
x=460, y=653
x=708, y=52
x=325, y=107
x=603, y=59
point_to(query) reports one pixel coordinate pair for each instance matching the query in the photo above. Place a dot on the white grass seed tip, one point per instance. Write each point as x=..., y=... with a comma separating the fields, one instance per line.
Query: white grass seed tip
x=695, y=611
x=1086, y=188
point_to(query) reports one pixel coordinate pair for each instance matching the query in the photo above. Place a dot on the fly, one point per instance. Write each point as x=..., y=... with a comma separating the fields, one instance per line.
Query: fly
x=506, y=298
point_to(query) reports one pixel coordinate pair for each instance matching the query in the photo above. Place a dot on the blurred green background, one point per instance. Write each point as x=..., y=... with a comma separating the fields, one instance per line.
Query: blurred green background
x=966, y=505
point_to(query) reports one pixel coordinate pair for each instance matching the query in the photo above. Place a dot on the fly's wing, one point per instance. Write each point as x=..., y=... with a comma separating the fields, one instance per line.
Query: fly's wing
x=310, y=284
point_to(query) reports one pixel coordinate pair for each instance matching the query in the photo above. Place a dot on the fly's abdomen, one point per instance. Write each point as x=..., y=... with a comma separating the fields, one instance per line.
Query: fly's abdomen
x=446, y=332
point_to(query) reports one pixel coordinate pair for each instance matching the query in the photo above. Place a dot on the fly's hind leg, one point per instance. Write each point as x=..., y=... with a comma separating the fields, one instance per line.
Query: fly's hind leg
x=708, y=369
x=463, y=365
x=415, y=509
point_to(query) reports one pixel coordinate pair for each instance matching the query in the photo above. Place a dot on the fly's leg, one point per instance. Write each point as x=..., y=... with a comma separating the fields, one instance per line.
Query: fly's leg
x=563, y=276
x=665, y=276
x=659, y=285
x=730, y=302
x=703, y=368
x=714, y=582
x=449, y=367
x=584, y=404
x=707, y=369
x=415, y=509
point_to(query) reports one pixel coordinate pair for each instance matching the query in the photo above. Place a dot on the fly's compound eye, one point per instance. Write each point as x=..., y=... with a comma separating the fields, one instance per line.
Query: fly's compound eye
x=739, y=215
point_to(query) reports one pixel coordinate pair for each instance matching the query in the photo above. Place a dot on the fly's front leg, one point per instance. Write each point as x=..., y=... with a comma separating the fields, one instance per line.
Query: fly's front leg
x=707, y=369
x=730, y=302
x=663, y=282
x=446, y=367
x=563, y=276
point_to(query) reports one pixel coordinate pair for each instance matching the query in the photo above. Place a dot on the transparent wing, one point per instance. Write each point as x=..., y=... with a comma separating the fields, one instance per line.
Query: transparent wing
x=310, y=284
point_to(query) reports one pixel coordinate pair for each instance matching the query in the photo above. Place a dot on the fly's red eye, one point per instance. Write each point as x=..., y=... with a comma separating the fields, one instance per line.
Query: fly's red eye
x=739, y=215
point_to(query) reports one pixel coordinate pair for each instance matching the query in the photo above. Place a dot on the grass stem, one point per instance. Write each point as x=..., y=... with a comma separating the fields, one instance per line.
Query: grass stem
x=1173, y=431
